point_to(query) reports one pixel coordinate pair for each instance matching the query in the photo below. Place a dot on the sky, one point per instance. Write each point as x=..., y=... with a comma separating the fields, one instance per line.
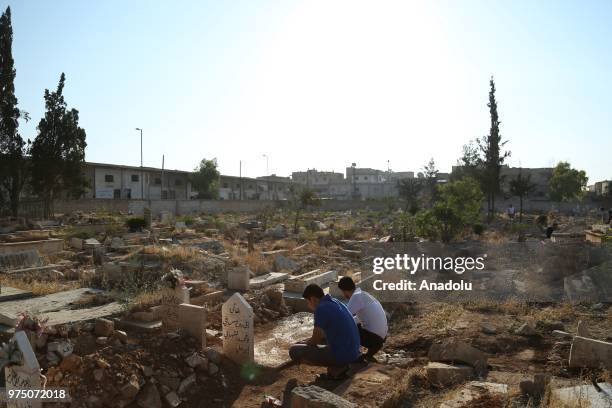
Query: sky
x=293, y=85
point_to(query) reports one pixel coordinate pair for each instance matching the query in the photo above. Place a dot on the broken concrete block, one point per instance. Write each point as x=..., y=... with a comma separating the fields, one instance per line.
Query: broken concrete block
x=172, y=399
x=526, y=329
x=590, y=353
x=312, y=396
x=104, y=328
x=441, y=374
x=268, y=279
x=282, y=263
x=76, y=243
x=208, y=298
x=474, y=391
x=298, y=283
x=456, y=351
x=582, y=396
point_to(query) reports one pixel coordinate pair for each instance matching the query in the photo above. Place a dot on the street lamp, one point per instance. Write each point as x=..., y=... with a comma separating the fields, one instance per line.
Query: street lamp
x=141, y=173
x=267, y=172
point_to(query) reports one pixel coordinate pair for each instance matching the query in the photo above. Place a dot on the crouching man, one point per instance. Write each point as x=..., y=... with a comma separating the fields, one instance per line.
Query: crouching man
x=335, y=339
x=370, y=315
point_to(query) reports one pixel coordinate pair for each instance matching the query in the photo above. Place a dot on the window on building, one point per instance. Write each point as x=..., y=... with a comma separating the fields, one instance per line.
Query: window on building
x=116, y=193
x=109, y=178
x=158, y=181
x=225, y=185
x=134, y=178
x=172, y=194
x=365, y=177
x=178, y=182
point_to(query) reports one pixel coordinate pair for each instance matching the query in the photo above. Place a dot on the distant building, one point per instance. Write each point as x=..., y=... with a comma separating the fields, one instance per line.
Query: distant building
x=540, y=177
x=601, y=188
x=112, y=181
x=261, y=188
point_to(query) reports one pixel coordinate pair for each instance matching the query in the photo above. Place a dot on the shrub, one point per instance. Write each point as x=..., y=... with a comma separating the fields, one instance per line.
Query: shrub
x=478, y=229
x=135, y=224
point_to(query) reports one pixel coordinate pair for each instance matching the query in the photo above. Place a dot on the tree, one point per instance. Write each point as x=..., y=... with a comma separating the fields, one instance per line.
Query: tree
x=468, y=164
x=520, y=187
x=409, y=189
x=58, y=152
x=567, y=183
x=457, y=206
x=430, y=174
x=492, y=159
x=13, y=149
x=301, y=199
x=205, y=179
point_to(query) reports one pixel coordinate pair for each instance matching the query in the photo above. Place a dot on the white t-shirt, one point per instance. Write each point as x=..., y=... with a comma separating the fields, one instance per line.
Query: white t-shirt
x=369, y=312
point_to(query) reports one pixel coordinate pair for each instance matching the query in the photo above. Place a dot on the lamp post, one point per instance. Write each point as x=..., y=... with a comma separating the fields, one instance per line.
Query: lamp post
x=267, y=172
x=141, y=173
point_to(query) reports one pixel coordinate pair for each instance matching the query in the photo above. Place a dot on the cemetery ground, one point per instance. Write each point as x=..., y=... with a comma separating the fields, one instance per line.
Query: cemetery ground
x=199, y=311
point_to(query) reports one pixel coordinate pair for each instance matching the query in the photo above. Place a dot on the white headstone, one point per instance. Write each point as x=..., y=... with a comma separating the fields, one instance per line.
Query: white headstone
x=25, y=376
x=238, y=278
x=192, y=319
x=169, y=313
x=237, y=325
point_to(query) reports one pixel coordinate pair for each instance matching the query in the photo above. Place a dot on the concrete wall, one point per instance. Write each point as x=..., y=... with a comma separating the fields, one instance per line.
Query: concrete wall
x=180, y=207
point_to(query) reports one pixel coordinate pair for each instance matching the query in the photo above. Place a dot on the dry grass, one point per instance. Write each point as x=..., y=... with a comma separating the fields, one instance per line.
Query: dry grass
x=39, y=287
x=145, y=300
x=405, y=391
x=441, y=318
x=507, y=307
x=563, y=311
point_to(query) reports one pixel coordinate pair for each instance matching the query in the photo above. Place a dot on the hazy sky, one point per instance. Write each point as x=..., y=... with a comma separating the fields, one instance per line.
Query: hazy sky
x=322, y=84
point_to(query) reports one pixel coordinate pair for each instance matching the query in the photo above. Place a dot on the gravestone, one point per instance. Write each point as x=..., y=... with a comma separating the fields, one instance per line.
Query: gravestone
x=238, y=278
x=169, y=311
x=237, y=324
x=192, y=319
x=148, y=219
x=25, y=376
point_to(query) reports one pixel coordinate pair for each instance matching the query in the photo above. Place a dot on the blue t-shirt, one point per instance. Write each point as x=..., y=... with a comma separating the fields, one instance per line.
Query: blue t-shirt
x=340, y=329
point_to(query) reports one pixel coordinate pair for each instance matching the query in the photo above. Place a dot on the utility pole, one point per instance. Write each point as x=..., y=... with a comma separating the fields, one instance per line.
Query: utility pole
x=141, y=171
x=354, y=165
x=240, y=179
x=267, y=171
x=162, y=178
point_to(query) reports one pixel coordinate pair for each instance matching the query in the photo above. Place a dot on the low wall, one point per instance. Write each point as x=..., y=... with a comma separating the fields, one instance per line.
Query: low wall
x=182, y=207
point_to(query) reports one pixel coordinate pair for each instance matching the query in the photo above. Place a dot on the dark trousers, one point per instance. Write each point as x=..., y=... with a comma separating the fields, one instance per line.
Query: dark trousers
x=373, y=342
x=313, y=355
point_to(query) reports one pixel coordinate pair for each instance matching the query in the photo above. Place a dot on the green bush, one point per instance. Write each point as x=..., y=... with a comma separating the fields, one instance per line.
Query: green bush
x=135, y=224
x=478, y=229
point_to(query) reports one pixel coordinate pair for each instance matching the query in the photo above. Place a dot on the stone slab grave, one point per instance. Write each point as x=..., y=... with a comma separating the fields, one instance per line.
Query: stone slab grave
x=48, y=246
x=298, y=283
x=368, y=381
x=268, y=279
x=7, y=293
x=169, y=310
x=237, y=325
x=25, y=376
x=20, y=260
x=296, y=302
x=590, y=353
x=59, y=308
x=272, y=342
x=582, y=396
x=313, y=396
x=593, y=284
x=475, y=390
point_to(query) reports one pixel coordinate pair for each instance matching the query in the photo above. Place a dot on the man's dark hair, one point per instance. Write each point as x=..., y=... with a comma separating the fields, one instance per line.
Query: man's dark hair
x=346, y=283
x=313, y=290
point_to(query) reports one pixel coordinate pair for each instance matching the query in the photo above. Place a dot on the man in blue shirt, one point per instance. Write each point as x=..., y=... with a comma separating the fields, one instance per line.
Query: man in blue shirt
x=335, y=339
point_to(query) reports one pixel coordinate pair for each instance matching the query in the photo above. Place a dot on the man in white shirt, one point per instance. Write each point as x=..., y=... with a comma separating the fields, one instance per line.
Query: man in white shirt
x=370, y=316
